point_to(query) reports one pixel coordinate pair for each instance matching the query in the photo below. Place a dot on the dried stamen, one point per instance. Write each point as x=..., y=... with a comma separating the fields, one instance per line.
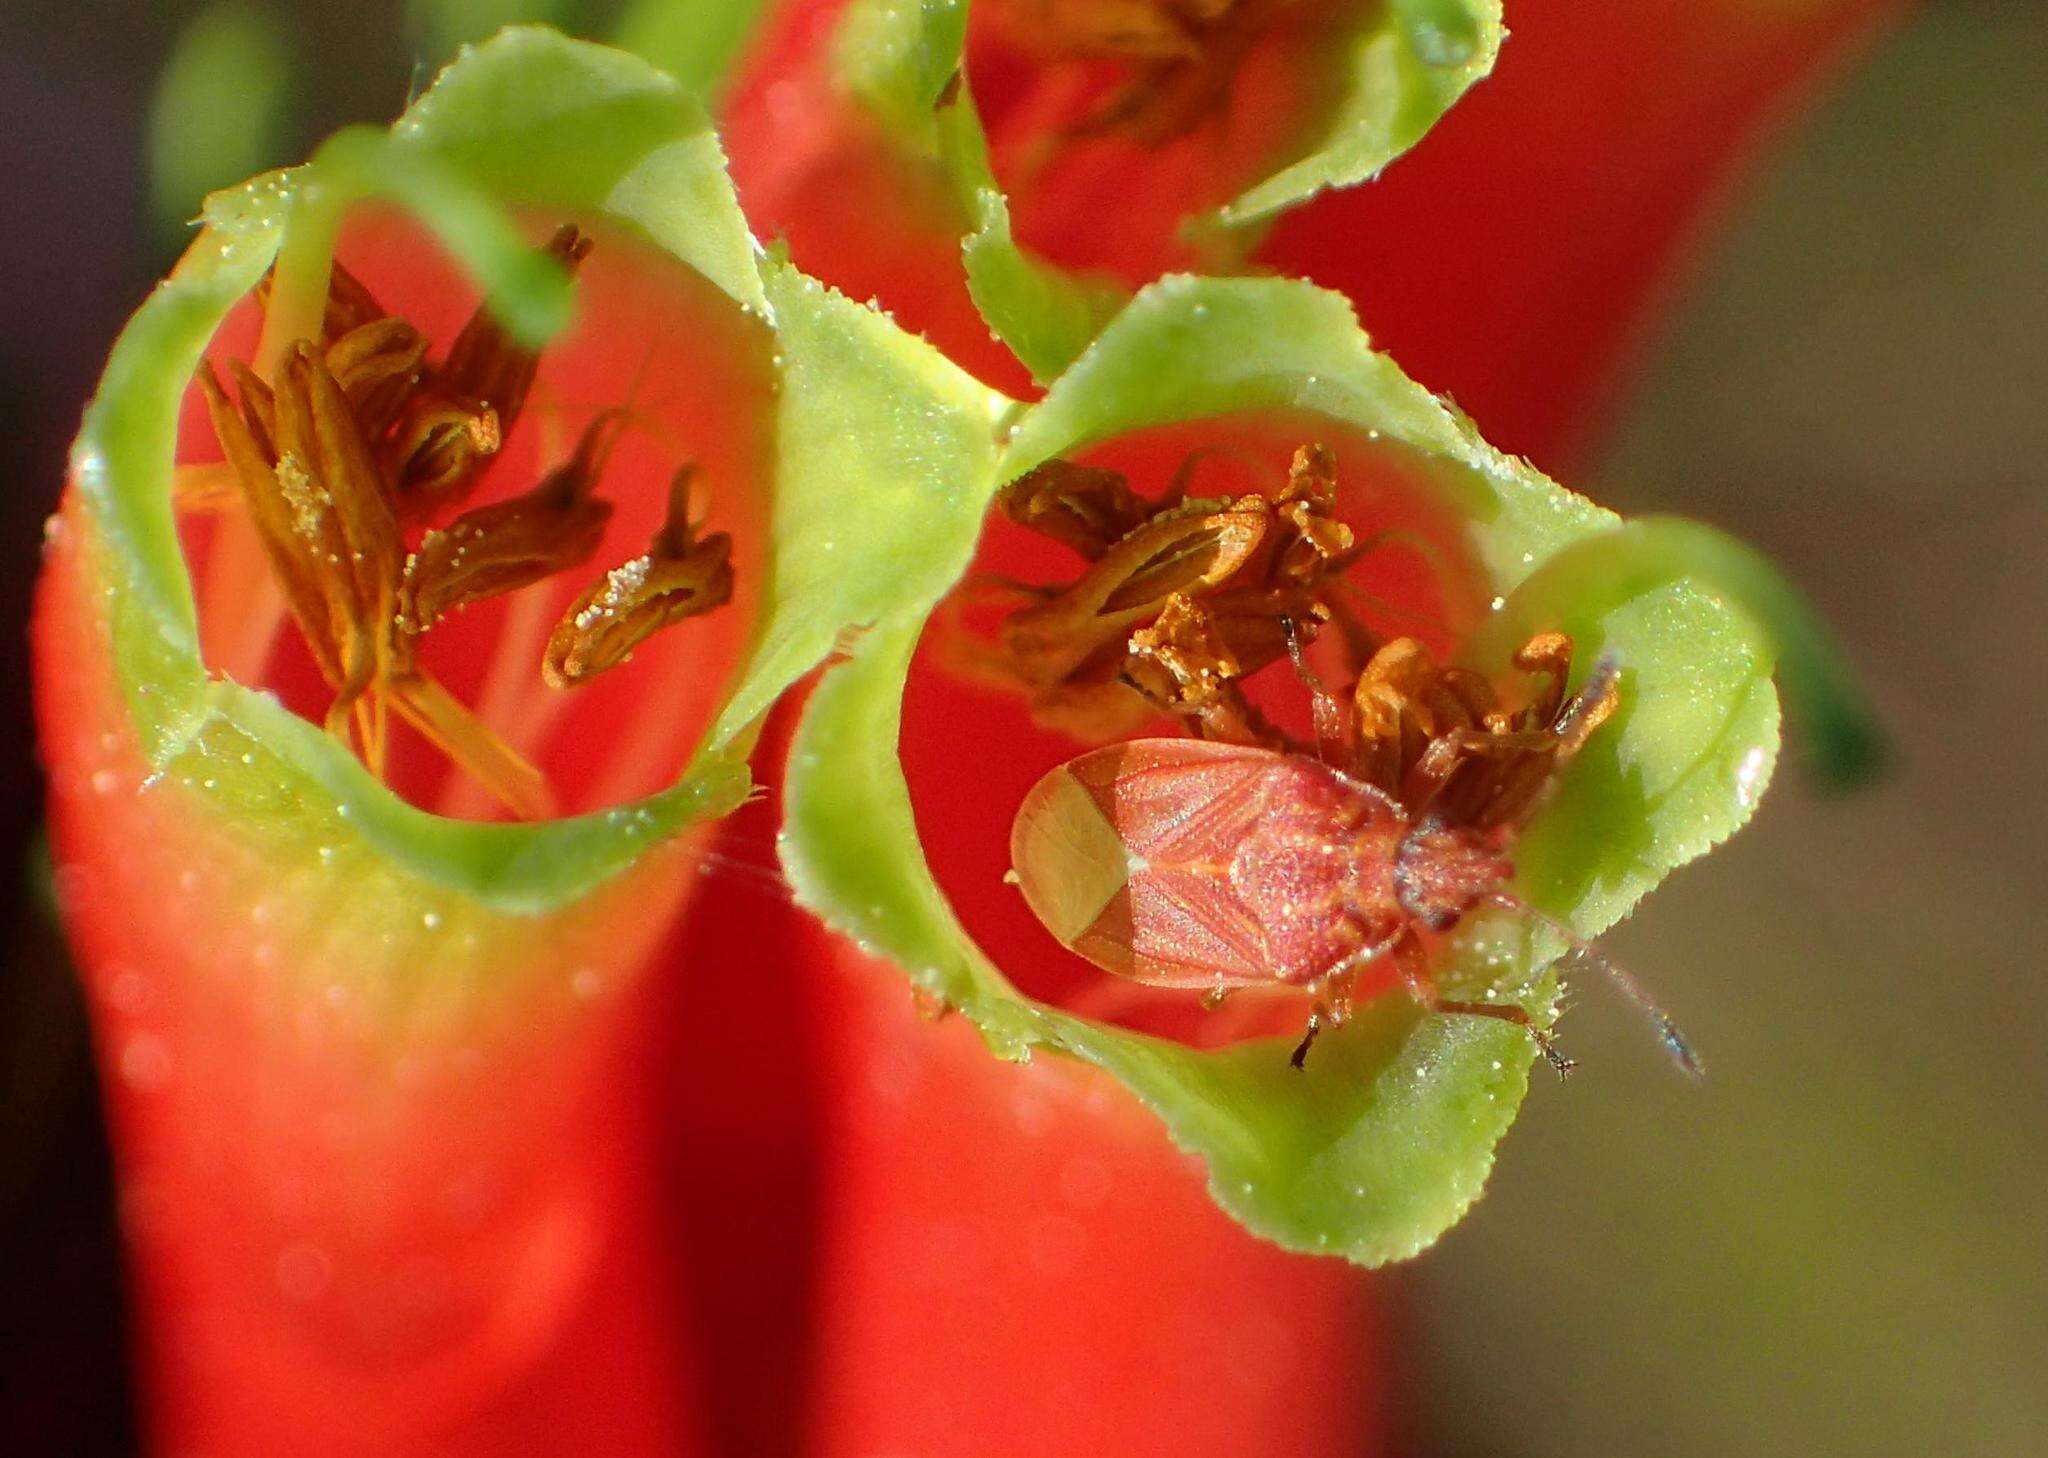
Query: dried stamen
x=1181, y=601
x=1182, y=54
x=678, y=577
x=508, y=545
x=360, y=437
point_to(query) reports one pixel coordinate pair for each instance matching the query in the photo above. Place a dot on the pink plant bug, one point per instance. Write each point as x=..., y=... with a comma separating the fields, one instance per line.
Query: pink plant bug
x=1187, y=863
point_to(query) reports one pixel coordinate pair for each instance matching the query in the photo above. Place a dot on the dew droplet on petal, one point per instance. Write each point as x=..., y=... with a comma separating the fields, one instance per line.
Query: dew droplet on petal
x=304, y=1271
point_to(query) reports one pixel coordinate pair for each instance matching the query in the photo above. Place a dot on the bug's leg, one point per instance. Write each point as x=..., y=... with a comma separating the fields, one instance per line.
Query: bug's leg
x=1331, y=728
x=1405, y=618
x=1413, y=966
x=1448, y=754
x=1668, y=1032
x=1332, y=1009
x=1317, y=1015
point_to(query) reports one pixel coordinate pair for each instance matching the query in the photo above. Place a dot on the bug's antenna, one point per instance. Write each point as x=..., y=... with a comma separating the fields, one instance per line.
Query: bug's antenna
x=1668, y=1032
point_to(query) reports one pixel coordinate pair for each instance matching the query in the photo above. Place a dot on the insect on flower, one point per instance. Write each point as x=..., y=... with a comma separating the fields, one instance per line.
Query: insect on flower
x=1192, y=864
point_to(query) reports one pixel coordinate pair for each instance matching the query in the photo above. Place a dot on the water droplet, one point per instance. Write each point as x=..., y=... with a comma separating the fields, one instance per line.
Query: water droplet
x=431, y=920
x=127, y=990
x=1749, y=776
x=1085, y=1181
x=145, y=1061
x=304, y=1271
x=73, y=885
x=1033, y=1114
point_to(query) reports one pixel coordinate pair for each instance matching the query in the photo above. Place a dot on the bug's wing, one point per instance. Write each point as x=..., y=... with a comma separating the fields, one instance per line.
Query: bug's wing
x=1125, y=855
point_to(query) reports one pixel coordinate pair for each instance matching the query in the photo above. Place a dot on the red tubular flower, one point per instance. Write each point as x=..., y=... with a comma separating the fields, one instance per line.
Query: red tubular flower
x=381, y=1084
x=587, y=1183
x=1510, y=262
x=373, y=1208
x=1014, y=1262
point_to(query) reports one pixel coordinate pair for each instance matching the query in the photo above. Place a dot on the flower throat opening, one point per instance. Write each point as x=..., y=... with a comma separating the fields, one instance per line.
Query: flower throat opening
x=421, y=538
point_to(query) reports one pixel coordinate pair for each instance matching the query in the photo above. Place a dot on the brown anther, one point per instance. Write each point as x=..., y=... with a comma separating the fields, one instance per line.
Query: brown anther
x=1115, y=30
x=1308, y=505
x=1185, y=550
x=1182, y=54
x=1190, y=662
x=1439, y=740
x=362, y=432
x=511, y=544
x=329, y=477
x=1548, y=657
x=487, y=364
x=680, y=576
x=378, y=366
x=1086, y=507
x=439, y=447
x=1182, y=600
x=291, y=535
x=461, y=412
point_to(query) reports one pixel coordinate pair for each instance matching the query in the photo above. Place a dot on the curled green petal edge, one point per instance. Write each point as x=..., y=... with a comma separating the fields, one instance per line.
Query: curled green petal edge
x=528, y=120
x=1387, y=1137
x=1405, y=64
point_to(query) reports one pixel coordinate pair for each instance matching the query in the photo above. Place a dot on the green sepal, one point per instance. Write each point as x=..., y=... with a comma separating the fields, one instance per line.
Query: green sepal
x=1045, y=314
x=904, y=63
x=1388, y=1134
x=886, y=457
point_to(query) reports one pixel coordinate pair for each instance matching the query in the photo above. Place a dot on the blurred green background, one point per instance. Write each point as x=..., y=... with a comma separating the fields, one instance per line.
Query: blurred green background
x=1836, y=1246
x=1839, y=1245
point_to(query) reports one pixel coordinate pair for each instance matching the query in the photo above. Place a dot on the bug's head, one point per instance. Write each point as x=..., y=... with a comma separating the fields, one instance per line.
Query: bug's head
x=1442, y=871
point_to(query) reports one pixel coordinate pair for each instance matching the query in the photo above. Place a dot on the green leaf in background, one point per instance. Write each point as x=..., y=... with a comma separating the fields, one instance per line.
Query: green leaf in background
x=439, y=28
x=198, y=141
x=1388, y=1135
x=696, y=41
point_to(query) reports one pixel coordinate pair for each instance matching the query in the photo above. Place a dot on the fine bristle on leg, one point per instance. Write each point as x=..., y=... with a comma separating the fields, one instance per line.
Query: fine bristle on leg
x=1415, y=976
x=1668, y=1032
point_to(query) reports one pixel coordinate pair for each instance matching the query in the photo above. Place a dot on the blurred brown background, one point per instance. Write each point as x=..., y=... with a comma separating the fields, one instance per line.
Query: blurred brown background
x=1838, y=1245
